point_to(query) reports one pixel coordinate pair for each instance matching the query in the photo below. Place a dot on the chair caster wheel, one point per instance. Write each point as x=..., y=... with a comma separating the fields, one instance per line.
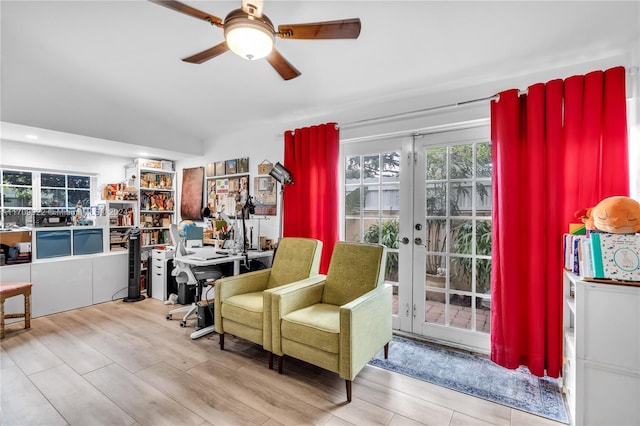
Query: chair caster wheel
x=169, y=317
x=183, y=323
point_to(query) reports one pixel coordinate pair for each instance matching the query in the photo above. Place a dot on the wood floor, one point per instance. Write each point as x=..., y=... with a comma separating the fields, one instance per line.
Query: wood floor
x=123, y=364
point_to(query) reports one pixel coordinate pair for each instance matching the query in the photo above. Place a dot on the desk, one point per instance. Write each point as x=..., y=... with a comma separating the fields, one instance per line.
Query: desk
x=204, y=256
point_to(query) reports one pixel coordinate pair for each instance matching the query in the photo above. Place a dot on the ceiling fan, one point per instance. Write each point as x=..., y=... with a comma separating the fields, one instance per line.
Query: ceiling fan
x=251, y=34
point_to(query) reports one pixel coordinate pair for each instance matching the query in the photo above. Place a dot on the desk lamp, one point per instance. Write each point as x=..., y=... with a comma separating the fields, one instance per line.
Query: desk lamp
x=282, y=175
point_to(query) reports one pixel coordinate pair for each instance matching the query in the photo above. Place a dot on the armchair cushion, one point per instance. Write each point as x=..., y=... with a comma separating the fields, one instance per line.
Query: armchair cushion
x=245, y=308
x=319, y=323
x=354, y=270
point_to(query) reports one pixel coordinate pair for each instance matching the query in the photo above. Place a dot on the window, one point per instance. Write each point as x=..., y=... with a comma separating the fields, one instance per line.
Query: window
x=60, y=191
x=372, y=202
x=25, y=192
x=17, y=197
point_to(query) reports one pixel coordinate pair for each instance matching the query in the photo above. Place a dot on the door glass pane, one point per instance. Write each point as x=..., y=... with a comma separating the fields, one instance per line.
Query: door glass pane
x=436, y=163
x=484, y=198
x=371, y=199
x=460, y=198
x=371, y=168
x=483, y=315
x=352, y=169
x=391, y=273
x=352, y=230
x=435, y=307
x=435, y=245
x=460, y=311
x=352, y=201
x=483, y=276
x=484, y=166
x=461, y=163
x=461, y=270
x=390, y=199
x=436, y=196
x=461, y=236
x=391, y=167
x=483, y=237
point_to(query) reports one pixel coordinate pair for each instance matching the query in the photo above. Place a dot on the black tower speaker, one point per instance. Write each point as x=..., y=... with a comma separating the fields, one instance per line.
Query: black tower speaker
x=133, y=294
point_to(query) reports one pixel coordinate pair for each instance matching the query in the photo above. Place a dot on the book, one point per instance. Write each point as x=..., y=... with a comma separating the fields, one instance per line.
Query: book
x=585, y=259
x=616, y=256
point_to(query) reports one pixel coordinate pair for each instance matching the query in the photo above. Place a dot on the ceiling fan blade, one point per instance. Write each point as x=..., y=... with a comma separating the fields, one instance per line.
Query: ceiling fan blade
x=188, y=10
x=345, y=28
x=281, y=65
x=210, y=53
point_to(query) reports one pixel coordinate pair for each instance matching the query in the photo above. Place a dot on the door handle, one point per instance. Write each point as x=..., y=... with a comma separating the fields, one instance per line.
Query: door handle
x=418, y=241
x=404, y=240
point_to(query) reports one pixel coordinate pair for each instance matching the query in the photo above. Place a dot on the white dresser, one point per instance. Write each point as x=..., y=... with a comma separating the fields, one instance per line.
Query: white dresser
x=602, y=352
x=159, y=272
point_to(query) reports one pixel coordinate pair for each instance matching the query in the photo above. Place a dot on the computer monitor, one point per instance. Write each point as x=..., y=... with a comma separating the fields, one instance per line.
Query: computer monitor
x=193, y=236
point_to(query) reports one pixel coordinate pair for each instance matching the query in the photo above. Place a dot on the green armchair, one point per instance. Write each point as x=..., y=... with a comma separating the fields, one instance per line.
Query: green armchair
x=339, y=321
x=243, y=302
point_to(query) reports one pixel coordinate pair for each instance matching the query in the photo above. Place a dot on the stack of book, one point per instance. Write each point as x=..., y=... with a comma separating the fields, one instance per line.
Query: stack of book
x=603, y=255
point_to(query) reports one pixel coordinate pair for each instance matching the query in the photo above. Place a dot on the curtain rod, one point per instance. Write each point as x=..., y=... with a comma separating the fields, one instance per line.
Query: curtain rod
x=417, y=111
x=406, y=114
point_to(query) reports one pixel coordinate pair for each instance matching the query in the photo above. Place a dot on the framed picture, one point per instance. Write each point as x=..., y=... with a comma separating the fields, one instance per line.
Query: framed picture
x=243, y=165
x=210, y=170
x=191, y=197
x=227, y=195
x=220, y=168
x=265, y=197
x=232, y=167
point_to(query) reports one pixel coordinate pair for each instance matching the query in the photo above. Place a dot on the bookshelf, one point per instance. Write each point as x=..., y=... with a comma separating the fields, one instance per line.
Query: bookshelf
x=156, y=202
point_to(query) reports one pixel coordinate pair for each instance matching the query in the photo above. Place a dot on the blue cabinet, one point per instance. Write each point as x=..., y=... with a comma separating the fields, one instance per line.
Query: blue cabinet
x=87, y=241
x=53, y=244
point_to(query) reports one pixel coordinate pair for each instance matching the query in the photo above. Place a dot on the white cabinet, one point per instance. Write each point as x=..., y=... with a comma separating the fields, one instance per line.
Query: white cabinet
x=602, y=352
x=156, y=203
x=110, y=276
x=60, y=285
x=160, y=273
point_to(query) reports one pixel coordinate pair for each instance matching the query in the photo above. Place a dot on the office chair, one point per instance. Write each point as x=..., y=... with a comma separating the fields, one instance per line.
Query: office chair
x=189, y=275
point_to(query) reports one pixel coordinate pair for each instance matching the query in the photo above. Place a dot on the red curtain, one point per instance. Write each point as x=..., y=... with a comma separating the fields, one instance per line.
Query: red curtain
x=559, y=148
x=310, y=208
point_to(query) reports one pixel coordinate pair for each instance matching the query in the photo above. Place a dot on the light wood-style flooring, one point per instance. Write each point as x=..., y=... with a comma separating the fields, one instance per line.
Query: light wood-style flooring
x=124, y=364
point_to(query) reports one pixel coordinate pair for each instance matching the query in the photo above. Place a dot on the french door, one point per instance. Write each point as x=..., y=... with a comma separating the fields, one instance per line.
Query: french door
x=428, y=199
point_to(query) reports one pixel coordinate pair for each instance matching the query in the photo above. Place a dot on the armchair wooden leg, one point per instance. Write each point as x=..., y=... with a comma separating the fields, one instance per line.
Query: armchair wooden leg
x=386, y=351
x=348, y=383
x=222, y=341
x=270, y=360
x=280, y=361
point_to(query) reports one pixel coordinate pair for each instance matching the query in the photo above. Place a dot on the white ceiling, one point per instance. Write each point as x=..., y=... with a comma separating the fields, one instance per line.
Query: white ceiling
x=111, y=70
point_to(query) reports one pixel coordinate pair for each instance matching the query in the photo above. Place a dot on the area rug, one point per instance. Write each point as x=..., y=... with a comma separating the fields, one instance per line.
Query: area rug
x=476, y=376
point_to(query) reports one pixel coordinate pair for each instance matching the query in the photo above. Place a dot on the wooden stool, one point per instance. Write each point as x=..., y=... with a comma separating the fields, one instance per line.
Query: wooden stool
x=8, y=290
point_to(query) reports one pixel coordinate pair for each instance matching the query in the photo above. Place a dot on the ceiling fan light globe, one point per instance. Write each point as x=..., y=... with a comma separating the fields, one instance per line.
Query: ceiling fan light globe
x=249, y=38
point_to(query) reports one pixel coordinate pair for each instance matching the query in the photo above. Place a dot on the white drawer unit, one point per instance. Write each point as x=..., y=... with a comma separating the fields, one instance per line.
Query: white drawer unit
x=602, y=352
x=159, y=272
